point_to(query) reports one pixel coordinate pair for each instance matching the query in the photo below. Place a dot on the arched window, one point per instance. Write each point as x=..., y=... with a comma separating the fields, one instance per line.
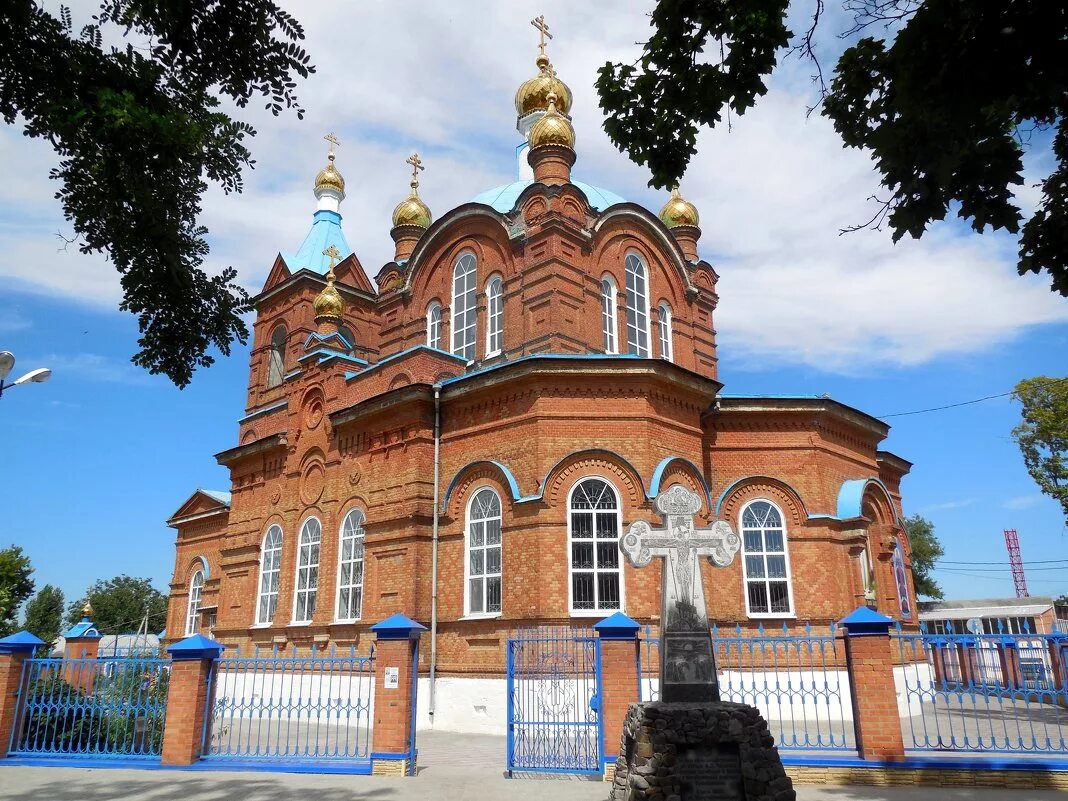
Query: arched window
x=196, y=586
x=667, y=348
x=483, y=569
x=902, y=582
x=608, y=315
x=637, y=306
x=766, y=565
x=593, y=539
x=463, y=307
x=495, y=323
x=433, y=325
x=349, y=337
x=270, y=567
x=276, y=357
x=311, y=535
x=350, y=568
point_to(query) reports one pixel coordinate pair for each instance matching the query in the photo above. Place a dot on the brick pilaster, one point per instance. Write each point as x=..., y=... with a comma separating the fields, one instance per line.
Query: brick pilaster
x=192, y=662
x=619, y=682
x=871, y=683
x=14, y=651
x=393, y=750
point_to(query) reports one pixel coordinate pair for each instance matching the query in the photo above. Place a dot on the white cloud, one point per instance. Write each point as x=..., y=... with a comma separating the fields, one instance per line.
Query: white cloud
x=93, y=367
x=1023, y=501
x=12, y=320
x=947, y=505
x=773, y=192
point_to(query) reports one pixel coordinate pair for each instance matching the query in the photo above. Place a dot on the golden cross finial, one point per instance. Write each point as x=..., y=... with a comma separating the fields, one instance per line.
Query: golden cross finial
x=543, y=32
x=417, y=165
x=334, y=255
x=333, y=140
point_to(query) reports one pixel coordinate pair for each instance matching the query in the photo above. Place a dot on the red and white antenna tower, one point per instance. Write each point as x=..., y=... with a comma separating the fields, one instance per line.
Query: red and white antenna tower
x=1012, y=543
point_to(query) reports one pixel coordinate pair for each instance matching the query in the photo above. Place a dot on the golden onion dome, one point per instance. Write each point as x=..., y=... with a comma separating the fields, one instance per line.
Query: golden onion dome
x=533, y=94
x=679, y=211
x=412, y=211
x=553, y=128
x=330, y=178
x=328, y=303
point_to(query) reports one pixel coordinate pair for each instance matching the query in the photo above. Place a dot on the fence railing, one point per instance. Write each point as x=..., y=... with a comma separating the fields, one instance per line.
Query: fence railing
x=987, y=692
x=91, y=708
x=285, y=706
x=797, y=679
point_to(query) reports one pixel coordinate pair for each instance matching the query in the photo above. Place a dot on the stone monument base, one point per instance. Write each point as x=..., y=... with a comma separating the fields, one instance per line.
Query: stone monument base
x=684, y=751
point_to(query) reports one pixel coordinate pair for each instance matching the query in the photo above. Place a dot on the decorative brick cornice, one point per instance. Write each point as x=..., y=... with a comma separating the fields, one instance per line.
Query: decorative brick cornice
x=263, y=445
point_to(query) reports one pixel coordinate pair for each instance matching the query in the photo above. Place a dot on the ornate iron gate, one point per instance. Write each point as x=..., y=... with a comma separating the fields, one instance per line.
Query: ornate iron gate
x=554, y=719
x=287, y=708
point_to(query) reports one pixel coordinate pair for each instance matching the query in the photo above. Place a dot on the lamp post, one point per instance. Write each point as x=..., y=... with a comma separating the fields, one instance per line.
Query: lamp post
x=7, y=361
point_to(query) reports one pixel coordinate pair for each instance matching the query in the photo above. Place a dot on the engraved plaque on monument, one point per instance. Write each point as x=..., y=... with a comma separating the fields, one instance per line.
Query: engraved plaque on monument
x=709, y=772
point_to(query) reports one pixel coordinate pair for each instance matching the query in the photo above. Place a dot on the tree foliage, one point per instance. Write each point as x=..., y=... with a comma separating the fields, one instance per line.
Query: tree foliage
x=926, y=550
x=140, y=134
x=16, y=585
x=44, y=614
x=1043, y=434
x=119, y=604
x=947, y=98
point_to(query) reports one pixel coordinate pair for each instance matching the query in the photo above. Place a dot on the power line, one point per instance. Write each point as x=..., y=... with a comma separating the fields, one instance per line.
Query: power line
x=940, y=408
x=1034, y=562
x=996, y=569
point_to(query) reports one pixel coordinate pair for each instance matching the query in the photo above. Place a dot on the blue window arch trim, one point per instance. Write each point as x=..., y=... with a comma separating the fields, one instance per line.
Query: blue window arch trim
x=205, y=569
x=734, y=485
x=851, y=496
x=658, y=476
x=513, y=485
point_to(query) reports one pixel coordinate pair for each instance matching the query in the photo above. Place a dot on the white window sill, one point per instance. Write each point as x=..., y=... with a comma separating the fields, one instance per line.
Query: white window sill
x=262, y=626
x=345, y=621
x=602, y=613
x=298, y=623
x=481, y=616
x=772, y=616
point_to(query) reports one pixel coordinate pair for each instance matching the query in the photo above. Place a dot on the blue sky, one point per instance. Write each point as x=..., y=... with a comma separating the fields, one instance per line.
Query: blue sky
x=96, y=459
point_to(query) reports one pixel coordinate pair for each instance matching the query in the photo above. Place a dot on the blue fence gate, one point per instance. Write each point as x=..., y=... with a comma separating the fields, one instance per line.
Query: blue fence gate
x=111, y=708
x=554, y=721
x=287, y=709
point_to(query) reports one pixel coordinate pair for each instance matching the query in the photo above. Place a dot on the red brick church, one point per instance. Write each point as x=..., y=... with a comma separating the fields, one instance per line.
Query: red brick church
x=465, y=438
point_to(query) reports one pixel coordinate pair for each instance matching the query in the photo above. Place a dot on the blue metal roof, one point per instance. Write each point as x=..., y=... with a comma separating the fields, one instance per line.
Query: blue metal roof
x=325, y=231
x=219, y=495
x=503, y=198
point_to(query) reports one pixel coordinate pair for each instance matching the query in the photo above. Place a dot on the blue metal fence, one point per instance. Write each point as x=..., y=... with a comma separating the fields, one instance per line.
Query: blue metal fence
x=112, y=708
x=286, y=708
x=1000, y=693
x=797, y=679
x=554, y=722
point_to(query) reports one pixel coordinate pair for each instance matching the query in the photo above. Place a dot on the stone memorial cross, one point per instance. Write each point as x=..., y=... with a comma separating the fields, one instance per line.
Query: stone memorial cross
x=687, y=663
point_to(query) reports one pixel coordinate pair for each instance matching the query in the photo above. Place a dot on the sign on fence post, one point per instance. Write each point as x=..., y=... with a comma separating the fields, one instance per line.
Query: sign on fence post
x=396, y=680
x=189, y=698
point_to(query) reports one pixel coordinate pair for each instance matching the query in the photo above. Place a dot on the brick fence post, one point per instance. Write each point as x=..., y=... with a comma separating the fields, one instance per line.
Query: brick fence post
x=393, y=750
x=618, y=683
x=188, y=697
x=870, y=663
x=14, y=651
x=81, y=642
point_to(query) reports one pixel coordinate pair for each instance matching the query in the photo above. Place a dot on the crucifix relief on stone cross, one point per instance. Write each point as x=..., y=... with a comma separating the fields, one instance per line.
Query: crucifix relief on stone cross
x=687, y=664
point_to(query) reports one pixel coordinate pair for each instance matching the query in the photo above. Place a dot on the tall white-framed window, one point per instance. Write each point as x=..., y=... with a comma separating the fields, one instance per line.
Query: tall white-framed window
x=902, y=582
x=276, y=357
x=192, y=610
x=593, y=522
x=483, y=566
x=463, y=307
x=495, y=316
x=637, y=306
x=609, y=326
x=350, y=567
x=766, y=564
x=270, y=573
x=433, y=325
x=667, y=347
x=307, y=586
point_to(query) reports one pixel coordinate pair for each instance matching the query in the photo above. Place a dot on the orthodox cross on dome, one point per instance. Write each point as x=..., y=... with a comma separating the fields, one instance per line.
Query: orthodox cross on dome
x=543, y=32
x=334, y=142
x=687, y=662
x=333, y=254
x=417, y=165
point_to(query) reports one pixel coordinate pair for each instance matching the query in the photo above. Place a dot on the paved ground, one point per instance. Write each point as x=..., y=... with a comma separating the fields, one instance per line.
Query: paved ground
x=453, y=768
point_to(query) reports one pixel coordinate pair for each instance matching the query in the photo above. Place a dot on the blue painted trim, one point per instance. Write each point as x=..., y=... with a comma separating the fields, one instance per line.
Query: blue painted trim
x=865, y=622
x=658, y=475
x=545, y=481
x=85, y=630
x=617, y=626
x=735, y=484
x=509, y=661
x=394, y=756
x=329, y=354
x=397, y=627
x=851, y=493
x=324, y=338
x=513, y=485
x=204, y=566
x=402, y=354
x=598, y=665
x=21, y=642
x=414, y=668
x=265, y=410
x=543, y=356
x=931, y=763
x=196, y=647
x=354, y=767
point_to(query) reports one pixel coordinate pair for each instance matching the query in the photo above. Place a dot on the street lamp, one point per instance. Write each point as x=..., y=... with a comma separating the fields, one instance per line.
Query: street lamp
x=7, y=361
